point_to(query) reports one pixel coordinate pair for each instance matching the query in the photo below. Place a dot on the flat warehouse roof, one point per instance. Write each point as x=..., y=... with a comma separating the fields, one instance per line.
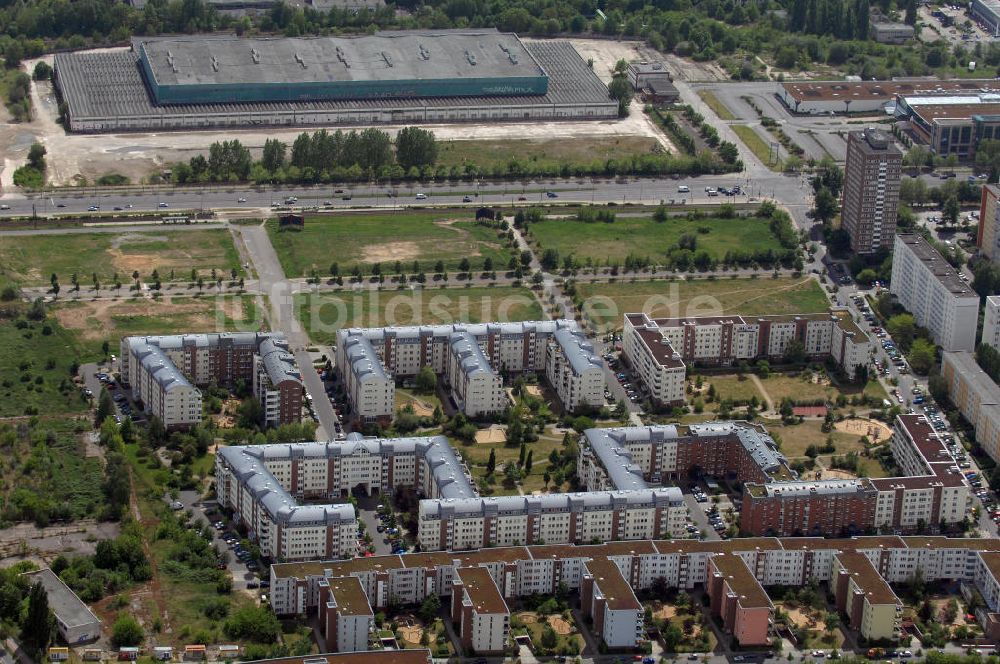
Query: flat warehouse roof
x=109, y=84
x=875, y=90
x=386, y=56
x=67, y=607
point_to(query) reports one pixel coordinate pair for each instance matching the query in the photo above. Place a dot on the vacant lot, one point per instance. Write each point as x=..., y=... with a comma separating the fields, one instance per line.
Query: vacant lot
x=583, y=150
x=93, y=322
x=716, y=104
x=757, y=145
x=365, y=239
x=32, y=260
x=323, y=314
x=606, y=303
x=808, y=387
x=35, y=362
x=643, y=237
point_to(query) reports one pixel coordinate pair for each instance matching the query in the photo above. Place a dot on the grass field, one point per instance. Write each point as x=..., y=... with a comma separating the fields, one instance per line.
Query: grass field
x=606, y=303
x=757, y=145
x=716, y=105
x=796, y=438
x=35, y=364
x=491, y=153
x=476, y=455
x=31, y=260
x=323, y=314
x=365, y=239
x=641, y=236
x=731, y=387
x=801, y=388
x=93, y=322
x=46, y=466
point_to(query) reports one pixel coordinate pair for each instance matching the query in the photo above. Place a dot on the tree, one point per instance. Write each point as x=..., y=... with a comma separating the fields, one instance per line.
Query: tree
x=105, y=408
x=921, y=356
x=911, y=12
x=902, y=328
x=988, y=159
x=253, y=623
x=274, y=155
x=951, y=210
x=491, y=463
x=795, y=352
x=550, y=259
x=426, y=380
x=39, y=622
x=866, y=277
x=549, y=639
x=825, y=207
x=36, y=156
x=415, y=147
x=42, y=71
x=522, y=455
x=126, y=632
x=528, y=461
x=430, y=608
x=621, y=91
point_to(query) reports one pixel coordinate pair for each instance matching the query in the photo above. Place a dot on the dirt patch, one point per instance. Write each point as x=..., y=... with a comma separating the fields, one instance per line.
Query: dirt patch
x=560, y=625
x=412, y=633
x=95, y=319
x=420, y=408
x=533, y=390
x=390, y=251
x=494, y=434
x=528, y=617
x=803, y=619
x=876, y=431
x=665, y=611
x=834, y=474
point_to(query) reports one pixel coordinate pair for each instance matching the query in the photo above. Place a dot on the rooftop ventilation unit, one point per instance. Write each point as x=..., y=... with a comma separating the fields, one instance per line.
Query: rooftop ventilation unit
x=255, y=56
x=424, y=53
x=513, y=58
x=387, y=58
x=298, y=59
x=471, y=58
x=215, y=63
x=343, y=57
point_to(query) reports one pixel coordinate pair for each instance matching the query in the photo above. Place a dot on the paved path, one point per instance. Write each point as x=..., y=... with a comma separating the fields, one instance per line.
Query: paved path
x=282, y=315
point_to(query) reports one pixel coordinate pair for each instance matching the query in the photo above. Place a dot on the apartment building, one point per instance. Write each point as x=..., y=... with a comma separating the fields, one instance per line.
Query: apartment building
x=930, y=289
x=277, y=383
x=863, y=595
x=659, y=348
x=988, y=233
x=408, y=656
x=991, y=322
x=976, y=396
x=871, y=190
x=732, y=572
x=476, y=388
x=345, y=614
x=629, y=457
x=574, y=371
x=163, y=372
x=737, y=597
x=371, y=391
x=609, y=601
x=479, y=612
x=376, y=357
x=933, y=495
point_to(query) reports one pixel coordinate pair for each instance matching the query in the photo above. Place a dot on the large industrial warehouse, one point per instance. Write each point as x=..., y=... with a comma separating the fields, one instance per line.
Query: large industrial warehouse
x=390, y=77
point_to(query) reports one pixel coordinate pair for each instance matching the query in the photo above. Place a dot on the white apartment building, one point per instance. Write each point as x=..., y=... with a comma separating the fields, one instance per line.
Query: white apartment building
x=162, y=372
x=991, y=322
x=370, y=390
x=929, y=288
x=659, y=348
x=479, y=611
x=976, y=396
x=574, y=371
x=611, y=603
x=988, y=235
x=400, y=352
x=476, y=388
x=345, y=614
x=653, y=358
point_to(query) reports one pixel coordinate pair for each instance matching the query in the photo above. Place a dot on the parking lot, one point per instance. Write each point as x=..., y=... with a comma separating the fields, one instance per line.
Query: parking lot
x=381, y=523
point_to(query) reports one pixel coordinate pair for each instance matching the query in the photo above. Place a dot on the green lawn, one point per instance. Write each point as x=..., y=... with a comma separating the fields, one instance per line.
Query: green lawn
x=31, y=260
x=731, y=387
x=716, y=105
x=641, y=236
x=384, y=238
x=606, y=303
x=582, y=150
x=802, y=388
x=35, y=359
x=323, y=314
x=757, y=145
x=795, y=438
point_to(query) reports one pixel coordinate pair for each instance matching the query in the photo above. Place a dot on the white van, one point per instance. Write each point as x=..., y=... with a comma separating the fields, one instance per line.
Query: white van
x=684, y=189
x=421, y=197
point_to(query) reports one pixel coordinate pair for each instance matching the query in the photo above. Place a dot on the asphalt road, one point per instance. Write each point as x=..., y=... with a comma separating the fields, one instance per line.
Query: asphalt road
x=258, y=200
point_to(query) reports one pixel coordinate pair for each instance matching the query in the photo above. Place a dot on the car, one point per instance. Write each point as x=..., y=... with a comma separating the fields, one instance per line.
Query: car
x=88, y=392
x=818, y=653
x=118, y=208
x=93, y=208
x=684, y=189
x=4, y=206
x=327, y=203
x=739, y=658
x=60, y=205
x=905, y=654
x=551, y=194
x=466, y=199
x=164, y=205
x=346, y=197
x=522, y=198
x=176, y=505
x=421, y=197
